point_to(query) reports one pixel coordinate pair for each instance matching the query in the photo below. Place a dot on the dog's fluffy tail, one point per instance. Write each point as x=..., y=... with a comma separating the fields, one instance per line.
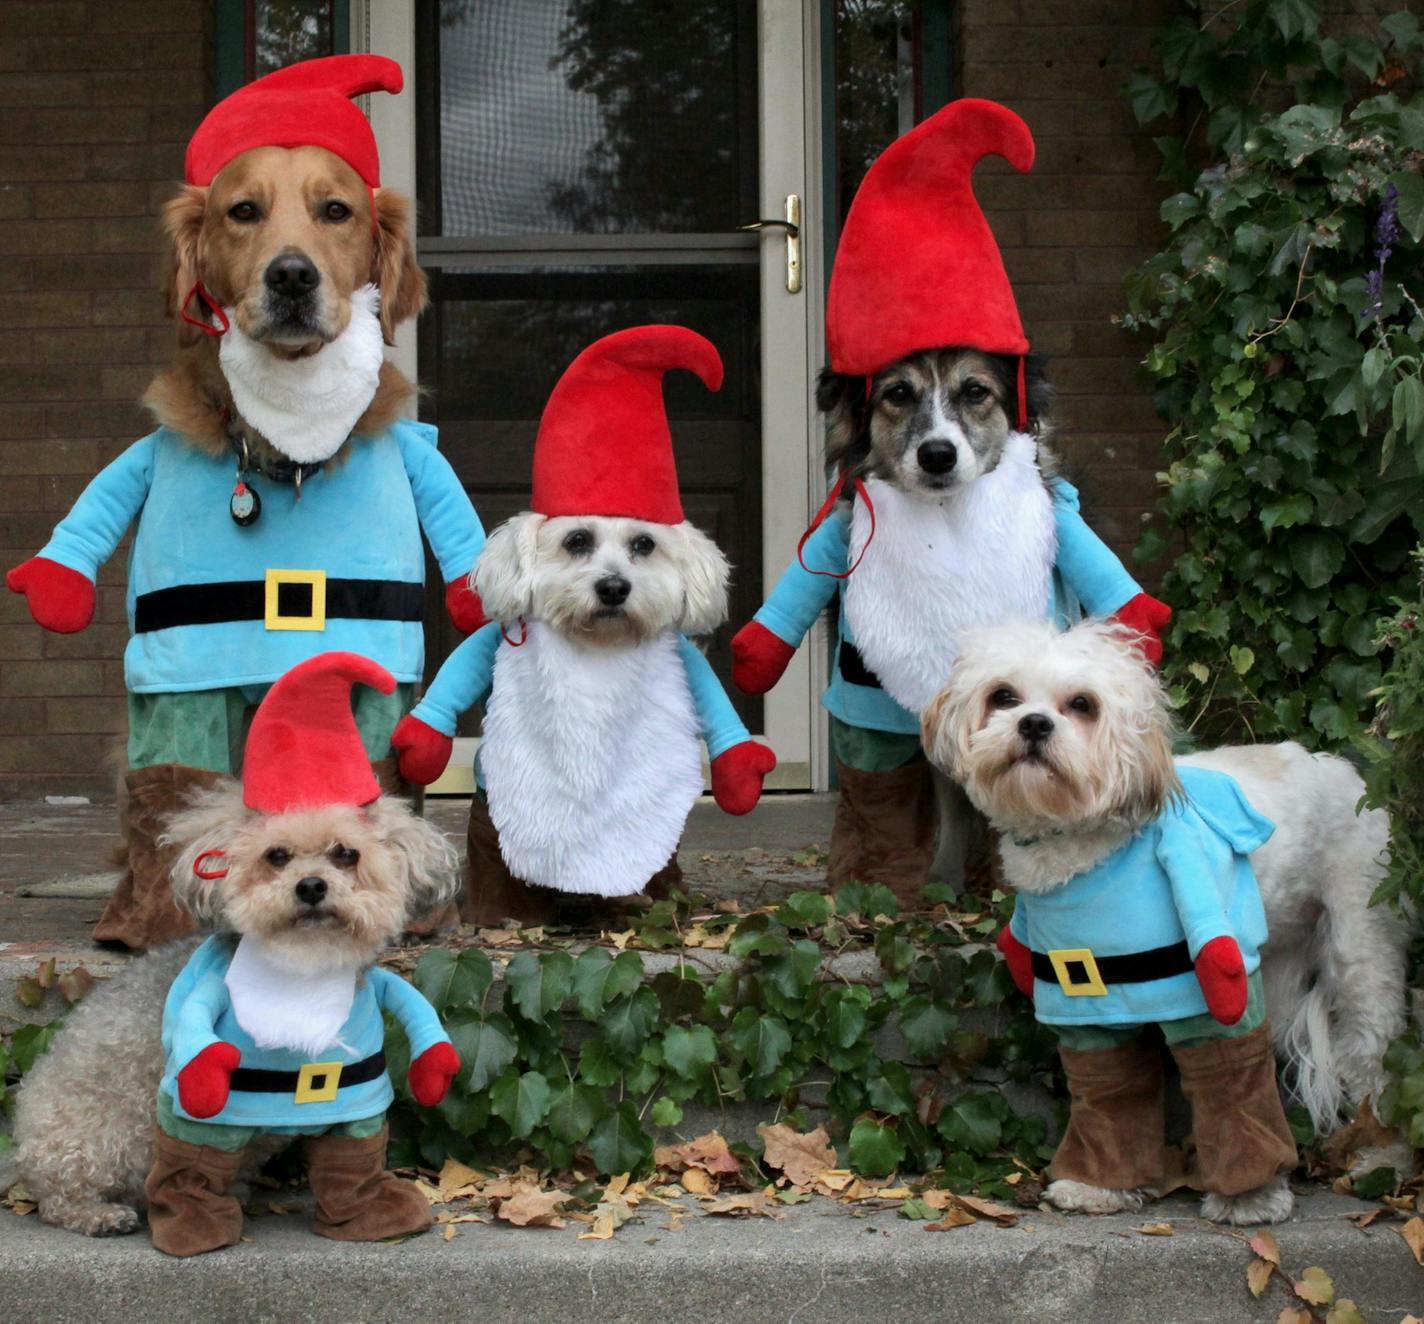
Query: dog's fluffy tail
x=9, y=1170
x=1305, y=1045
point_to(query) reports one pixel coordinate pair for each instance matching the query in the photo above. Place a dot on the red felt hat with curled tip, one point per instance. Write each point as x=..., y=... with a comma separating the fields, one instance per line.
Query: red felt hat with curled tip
x=303, y=750
x=604, y=447
x=304, y=105
x=917, y=266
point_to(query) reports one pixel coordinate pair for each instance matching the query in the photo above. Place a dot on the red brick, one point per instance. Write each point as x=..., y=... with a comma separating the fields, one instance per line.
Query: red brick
x=19, y=421
x=16, y=346
x=42, y=308
x=150, y=16
x=89, y=345
x=175, y=87
x=143, y=161
x=43, y=89
x=45, y=381
x=16, y=274
x=99, y=641
x=48, y=457
x=41, y=19
x=128, y=307
x=74, y=126
x=15, y=201
x=46, y=678
x=110, y=271
x=114, y=198
x=111, y=420
x=87, y=716
x=86, y=52
x=129, y=234
x=126, y=382
x=30, y=162
x=31, y=237
x=47, y=753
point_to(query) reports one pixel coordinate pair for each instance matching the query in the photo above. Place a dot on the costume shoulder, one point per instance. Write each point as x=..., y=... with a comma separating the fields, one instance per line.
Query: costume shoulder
x=410, y=431
x=1219, y=801
x=1064, y=494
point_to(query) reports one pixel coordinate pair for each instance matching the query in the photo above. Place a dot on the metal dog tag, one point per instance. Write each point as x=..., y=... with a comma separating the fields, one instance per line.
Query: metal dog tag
x=245, y=504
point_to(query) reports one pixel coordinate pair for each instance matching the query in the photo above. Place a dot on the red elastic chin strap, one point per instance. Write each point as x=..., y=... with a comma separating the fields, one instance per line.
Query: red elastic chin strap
x=212, y=305
x=832, y=497
x=375, y=221
x=1023, y=396
x=209, y=874
x=523, y=634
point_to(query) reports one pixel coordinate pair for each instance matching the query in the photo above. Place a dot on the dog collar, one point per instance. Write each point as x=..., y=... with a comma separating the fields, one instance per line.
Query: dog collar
x=245, y=505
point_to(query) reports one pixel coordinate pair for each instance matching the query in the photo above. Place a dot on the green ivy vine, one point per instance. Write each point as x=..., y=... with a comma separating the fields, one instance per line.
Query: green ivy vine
x=1285, y=316
x=590, y=1053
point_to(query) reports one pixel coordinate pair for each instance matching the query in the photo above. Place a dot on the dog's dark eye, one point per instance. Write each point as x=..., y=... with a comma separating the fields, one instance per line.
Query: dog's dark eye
x=974, y=392
x=245, y=212
x=278, y=857
x=1004, y=698
x=344, y=857
x=642, y=545
x=1081, y=703
x=336, y=211
x=578, y=543
x=900, y=393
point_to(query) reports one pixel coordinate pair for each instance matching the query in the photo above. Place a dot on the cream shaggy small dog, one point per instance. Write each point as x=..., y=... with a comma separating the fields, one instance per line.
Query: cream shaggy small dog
x=325, y=891
x=1334, y=967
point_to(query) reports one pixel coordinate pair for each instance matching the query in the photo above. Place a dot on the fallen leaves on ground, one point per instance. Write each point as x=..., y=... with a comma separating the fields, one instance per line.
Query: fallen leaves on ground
x=529, y=1206
x=1157, y=1230
x=802, y=1158
x=1258, y=1274
x=1413, y=1234
x=1315, y=1286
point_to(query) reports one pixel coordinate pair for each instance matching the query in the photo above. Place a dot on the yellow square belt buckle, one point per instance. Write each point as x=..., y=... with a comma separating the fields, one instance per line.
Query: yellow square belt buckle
x=276, y=618
x=317, y=1082
x=1090, y=984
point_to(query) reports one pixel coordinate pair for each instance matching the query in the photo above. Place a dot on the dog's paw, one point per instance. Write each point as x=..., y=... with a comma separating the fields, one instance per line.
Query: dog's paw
x=1271, y=1203
x=97, y=1218
x=1076, y=1197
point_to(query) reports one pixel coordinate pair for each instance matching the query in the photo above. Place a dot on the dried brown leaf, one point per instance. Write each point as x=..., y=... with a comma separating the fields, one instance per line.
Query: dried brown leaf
x=1258, y=1274
x=750, y=1205
x=698, y=1181
x=1413, y=1234
x=953, y=1217
x=802, y=1157
x=602, y=1229
x=74, y=984
x=45, y=973
x=531, y=1207
x=1264, y=1244
x=451, y=1232
x=1365, y=1219
x=1365, y=1132
x=1000, y=1213
x=456, y=1179
x=28, y=992
x=1156, y=1230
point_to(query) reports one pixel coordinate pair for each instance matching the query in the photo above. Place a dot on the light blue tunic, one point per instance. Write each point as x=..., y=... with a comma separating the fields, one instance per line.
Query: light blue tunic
x=359, y=518
x=1087, y=576
x=1183, y=877
x=198, y=1013
x=467, y=675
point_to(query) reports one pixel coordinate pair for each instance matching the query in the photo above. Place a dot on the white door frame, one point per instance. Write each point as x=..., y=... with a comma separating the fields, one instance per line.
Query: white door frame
x=793, y=479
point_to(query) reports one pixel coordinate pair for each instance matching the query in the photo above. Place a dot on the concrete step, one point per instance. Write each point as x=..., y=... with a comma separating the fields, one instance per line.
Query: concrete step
x=820, y=1263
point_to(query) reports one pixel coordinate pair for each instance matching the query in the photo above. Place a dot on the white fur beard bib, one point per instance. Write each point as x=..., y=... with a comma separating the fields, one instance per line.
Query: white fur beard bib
x=282, y=1009
x=937, y=566
x=307, y=407
x=591, y=760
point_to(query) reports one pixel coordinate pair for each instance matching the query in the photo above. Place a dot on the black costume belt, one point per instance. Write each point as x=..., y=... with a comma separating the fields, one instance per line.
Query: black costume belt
x=1078, y=972
x=853, y=668
x=316, y=1082
x=284, y=600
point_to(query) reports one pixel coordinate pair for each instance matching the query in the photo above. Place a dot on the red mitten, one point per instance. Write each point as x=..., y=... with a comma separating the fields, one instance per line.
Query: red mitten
x=1149, y=618
x=1019, y=960
x=423, y=752
x=464, y=605
x=1222, y=976
x=758, y=658
x=203, y=1085
x=737, y=776
x=60, y=599
x=431, y=1073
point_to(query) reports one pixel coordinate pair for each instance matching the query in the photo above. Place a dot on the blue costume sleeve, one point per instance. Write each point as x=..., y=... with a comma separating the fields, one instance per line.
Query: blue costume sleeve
x=417, y=1017
x=721, y=727
x=451, y=526
x=800, y=596
x=464, y=679
x=1085, y=561
x=195, y=1018
x=1196, y=891
x=86, y=537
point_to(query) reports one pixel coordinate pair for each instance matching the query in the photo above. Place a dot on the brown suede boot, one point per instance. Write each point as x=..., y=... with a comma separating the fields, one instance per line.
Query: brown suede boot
x=884, y=830
x=1239, y=1128
x=141, y=912
x=189, y=1209
x=1116, y=1125
x=493, y=894
x=357, y=1199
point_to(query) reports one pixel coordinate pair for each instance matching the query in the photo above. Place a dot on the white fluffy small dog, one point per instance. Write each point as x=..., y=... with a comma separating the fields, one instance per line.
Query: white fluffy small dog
x=1333, y=968
x=85, y=1117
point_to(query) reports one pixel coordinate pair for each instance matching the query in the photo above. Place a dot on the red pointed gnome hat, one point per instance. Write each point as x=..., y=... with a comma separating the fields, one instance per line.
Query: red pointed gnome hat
x=917, y=266
x=604, y=447
x=304, y=105
x=303, y=749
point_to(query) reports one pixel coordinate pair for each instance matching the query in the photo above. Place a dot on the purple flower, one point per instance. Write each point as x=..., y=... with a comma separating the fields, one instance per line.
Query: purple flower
x=1386, y=232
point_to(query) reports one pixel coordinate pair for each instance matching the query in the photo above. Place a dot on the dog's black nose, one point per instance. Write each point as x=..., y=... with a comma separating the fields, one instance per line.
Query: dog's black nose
x=613, y=590
x=292, y=274
x=1035, y=727
x=937, y=457
x=310, y=891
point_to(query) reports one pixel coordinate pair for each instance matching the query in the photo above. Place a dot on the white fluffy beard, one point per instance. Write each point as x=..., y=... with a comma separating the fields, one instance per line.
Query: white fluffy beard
x=283, y=1007
x=591, y=760
x=306, y=407
x=939, y=565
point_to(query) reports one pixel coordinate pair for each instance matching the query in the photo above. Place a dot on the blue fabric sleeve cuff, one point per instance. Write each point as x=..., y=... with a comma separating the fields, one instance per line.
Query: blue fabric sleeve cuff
x=721, y=727
x=446, y=514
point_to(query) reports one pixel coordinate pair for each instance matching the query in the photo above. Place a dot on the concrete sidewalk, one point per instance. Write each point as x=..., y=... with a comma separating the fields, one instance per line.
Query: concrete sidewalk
x=820, y=1263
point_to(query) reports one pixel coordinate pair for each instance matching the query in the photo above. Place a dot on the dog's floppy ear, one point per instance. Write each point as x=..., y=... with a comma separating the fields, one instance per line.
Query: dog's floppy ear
x=945, y=730
x=430, y=864
x=204, y=833
x=841, y=399
x=183, y=224
x=504, y=572
x=705, y=572
x=397, y=273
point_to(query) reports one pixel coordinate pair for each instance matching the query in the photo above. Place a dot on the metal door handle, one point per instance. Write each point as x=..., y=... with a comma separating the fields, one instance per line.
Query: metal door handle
x=791, y=226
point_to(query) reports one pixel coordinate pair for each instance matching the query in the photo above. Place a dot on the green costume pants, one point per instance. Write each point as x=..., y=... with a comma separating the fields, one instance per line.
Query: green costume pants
x=1186, y=1033
x=873, y=751
x=218, y=1135
x=207, y=728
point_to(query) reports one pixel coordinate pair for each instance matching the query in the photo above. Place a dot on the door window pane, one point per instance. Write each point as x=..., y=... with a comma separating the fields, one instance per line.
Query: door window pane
x=286, y=31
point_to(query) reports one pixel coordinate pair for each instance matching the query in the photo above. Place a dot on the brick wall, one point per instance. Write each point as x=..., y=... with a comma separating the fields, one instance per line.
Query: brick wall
x=97, y=100
x=1072, y=228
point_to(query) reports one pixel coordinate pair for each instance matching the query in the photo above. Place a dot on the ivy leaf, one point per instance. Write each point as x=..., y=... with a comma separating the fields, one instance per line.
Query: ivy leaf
x=599, y=978
x=628, y=1021
x=763, y=1040
x=876, y=1150
x=890, y=1090
x=666, y=1112
x=926, y=1024
x=845, y=1018
x=448, y=980
x=689, y=1052
x=597, y=1065
x=1410, y=186
x=619, y=1144
x=805, y=910
x=1296, y=18
x=486, y=1045
x=1316, y=556
x=1242, y=659
x=574, y=1109
x=1149, y=97
x=974, y=1122
x=520, y=1100
x=539, y=983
